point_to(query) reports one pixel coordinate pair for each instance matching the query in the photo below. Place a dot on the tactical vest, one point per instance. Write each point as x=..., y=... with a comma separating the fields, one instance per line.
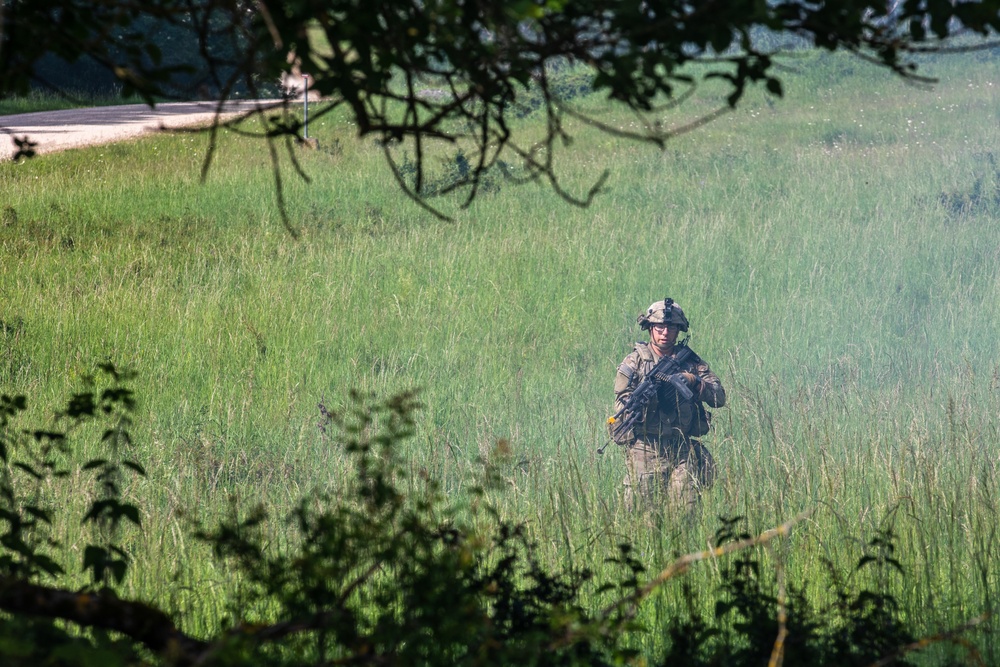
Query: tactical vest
x=666, y=416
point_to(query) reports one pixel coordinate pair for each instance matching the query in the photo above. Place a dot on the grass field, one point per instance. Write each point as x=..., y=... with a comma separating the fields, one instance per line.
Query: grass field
x=838, y=254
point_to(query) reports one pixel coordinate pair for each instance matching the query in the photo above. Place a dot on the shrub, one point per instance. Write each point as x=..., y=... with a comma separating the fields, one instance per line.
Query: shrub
x=386, y=571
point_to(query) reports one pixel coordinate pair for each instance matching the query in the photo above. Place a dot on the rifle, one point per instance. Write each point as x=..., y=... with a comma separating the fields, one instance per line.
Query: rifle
x=668, y=370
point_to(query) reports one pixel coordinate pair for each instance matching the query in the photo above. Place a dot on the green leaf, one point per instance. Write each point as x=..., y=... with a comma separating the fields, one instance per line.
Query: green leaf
x=47, y=565
x=118, y=570
x=53, y=436
x=10, y=406
x=29, y=469
x=39, y=513
x=97, y=509
x=131, y=512
x=93, y=555
x=17, y=545
x=81, y=405
x=134, y=466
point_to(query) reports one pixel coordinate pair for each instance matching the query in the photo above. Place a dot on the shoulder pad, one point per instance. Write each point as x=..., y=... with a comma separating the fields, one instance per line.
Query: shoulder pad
x=644, y=352
x=627, y=371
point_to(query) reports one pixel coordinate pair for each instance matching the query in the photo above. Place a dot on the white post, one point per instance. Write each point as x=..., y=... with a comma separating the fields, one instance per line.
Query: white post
x=305, y=106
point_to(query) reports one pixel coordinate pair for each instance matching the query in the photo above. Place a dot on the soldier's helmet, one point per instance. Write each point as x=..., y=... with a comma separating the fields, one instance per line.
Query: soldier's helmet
x=663, y=312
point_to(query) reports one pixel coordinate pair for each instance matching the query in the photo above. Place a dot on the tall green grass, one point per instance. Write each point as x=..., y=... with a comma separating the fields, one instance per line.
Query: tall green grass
x=833, y=251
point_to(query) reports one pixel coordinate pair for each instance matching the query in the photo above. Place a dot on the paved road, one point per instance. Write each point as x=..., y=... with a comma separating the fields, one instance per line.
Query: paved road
x=72, y=128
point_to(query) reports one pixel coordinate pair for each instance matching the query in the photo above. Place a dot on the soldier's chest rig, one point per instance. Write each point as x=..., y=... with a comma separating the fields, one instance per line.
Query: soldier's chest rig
x=668, y=416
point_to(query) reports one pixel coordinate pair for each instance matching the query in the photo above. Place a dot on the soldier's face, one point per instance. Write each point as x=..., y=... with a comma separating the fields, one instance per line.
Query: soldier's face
x=664, y=335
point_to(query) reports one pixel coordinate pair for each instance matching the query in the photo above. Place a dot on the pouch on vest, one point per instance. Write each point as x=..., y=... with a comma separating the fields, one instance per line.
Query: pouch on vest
x=703, y=423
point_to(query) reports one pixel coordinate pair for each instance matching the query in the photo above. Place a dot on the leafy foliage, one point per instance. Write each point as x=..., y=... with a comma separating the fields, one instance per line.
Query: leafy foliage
x=859, y=628
x=484, y=63
x=33, y=458
x=387, y=571
x=384, y=576
x=32, y=461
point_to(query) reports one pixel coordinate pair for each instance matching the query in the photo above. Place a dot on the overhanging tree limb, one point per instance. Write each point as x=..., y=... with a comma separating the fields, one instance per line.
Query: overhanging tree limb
x=484, y=57
x=681, y=565
x=145, y=624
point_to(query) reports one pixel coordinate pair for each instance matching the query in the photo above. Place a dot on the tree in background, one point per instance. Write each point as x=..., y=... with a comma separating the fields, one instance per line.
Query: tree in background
x=459, y=71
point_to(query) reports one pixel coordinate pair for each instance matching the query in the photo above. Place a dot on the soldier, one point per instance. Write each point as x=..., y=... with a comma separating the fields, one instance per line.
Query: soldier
x=663, y=454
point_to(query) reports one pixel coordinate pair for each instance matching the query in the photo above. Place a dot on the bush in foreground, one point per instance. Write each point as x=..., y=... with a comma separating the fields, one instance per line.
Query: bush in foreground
x=388, y=572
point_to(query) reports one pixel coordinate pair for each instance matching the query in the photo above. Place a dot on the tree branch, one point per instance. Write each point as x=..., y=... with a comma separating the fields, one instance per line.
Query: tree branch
x=145, y=624
x=681, y=565
x=947, y=636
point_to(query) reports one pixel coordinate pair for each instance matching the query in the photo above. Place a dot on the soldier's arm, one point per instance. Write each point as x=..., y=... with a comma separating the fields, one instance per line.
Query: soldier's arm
x=709, y=389
x=625, y=381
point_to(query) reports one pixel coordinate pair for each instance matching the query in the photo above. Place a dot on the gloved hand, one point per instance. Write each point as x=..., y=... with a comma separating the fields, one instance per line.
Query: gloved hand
x=693, y=380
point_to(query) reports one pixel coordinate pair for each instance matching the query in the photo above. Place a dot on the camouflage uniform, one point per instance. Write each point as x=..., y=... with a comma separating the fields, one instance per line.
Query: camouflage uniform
x=663, y=454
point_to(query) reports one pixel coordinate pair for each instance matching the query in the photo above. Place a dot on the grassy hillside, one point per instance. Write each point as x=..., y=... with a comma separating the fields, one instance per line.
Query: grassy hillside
x=837, y=253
